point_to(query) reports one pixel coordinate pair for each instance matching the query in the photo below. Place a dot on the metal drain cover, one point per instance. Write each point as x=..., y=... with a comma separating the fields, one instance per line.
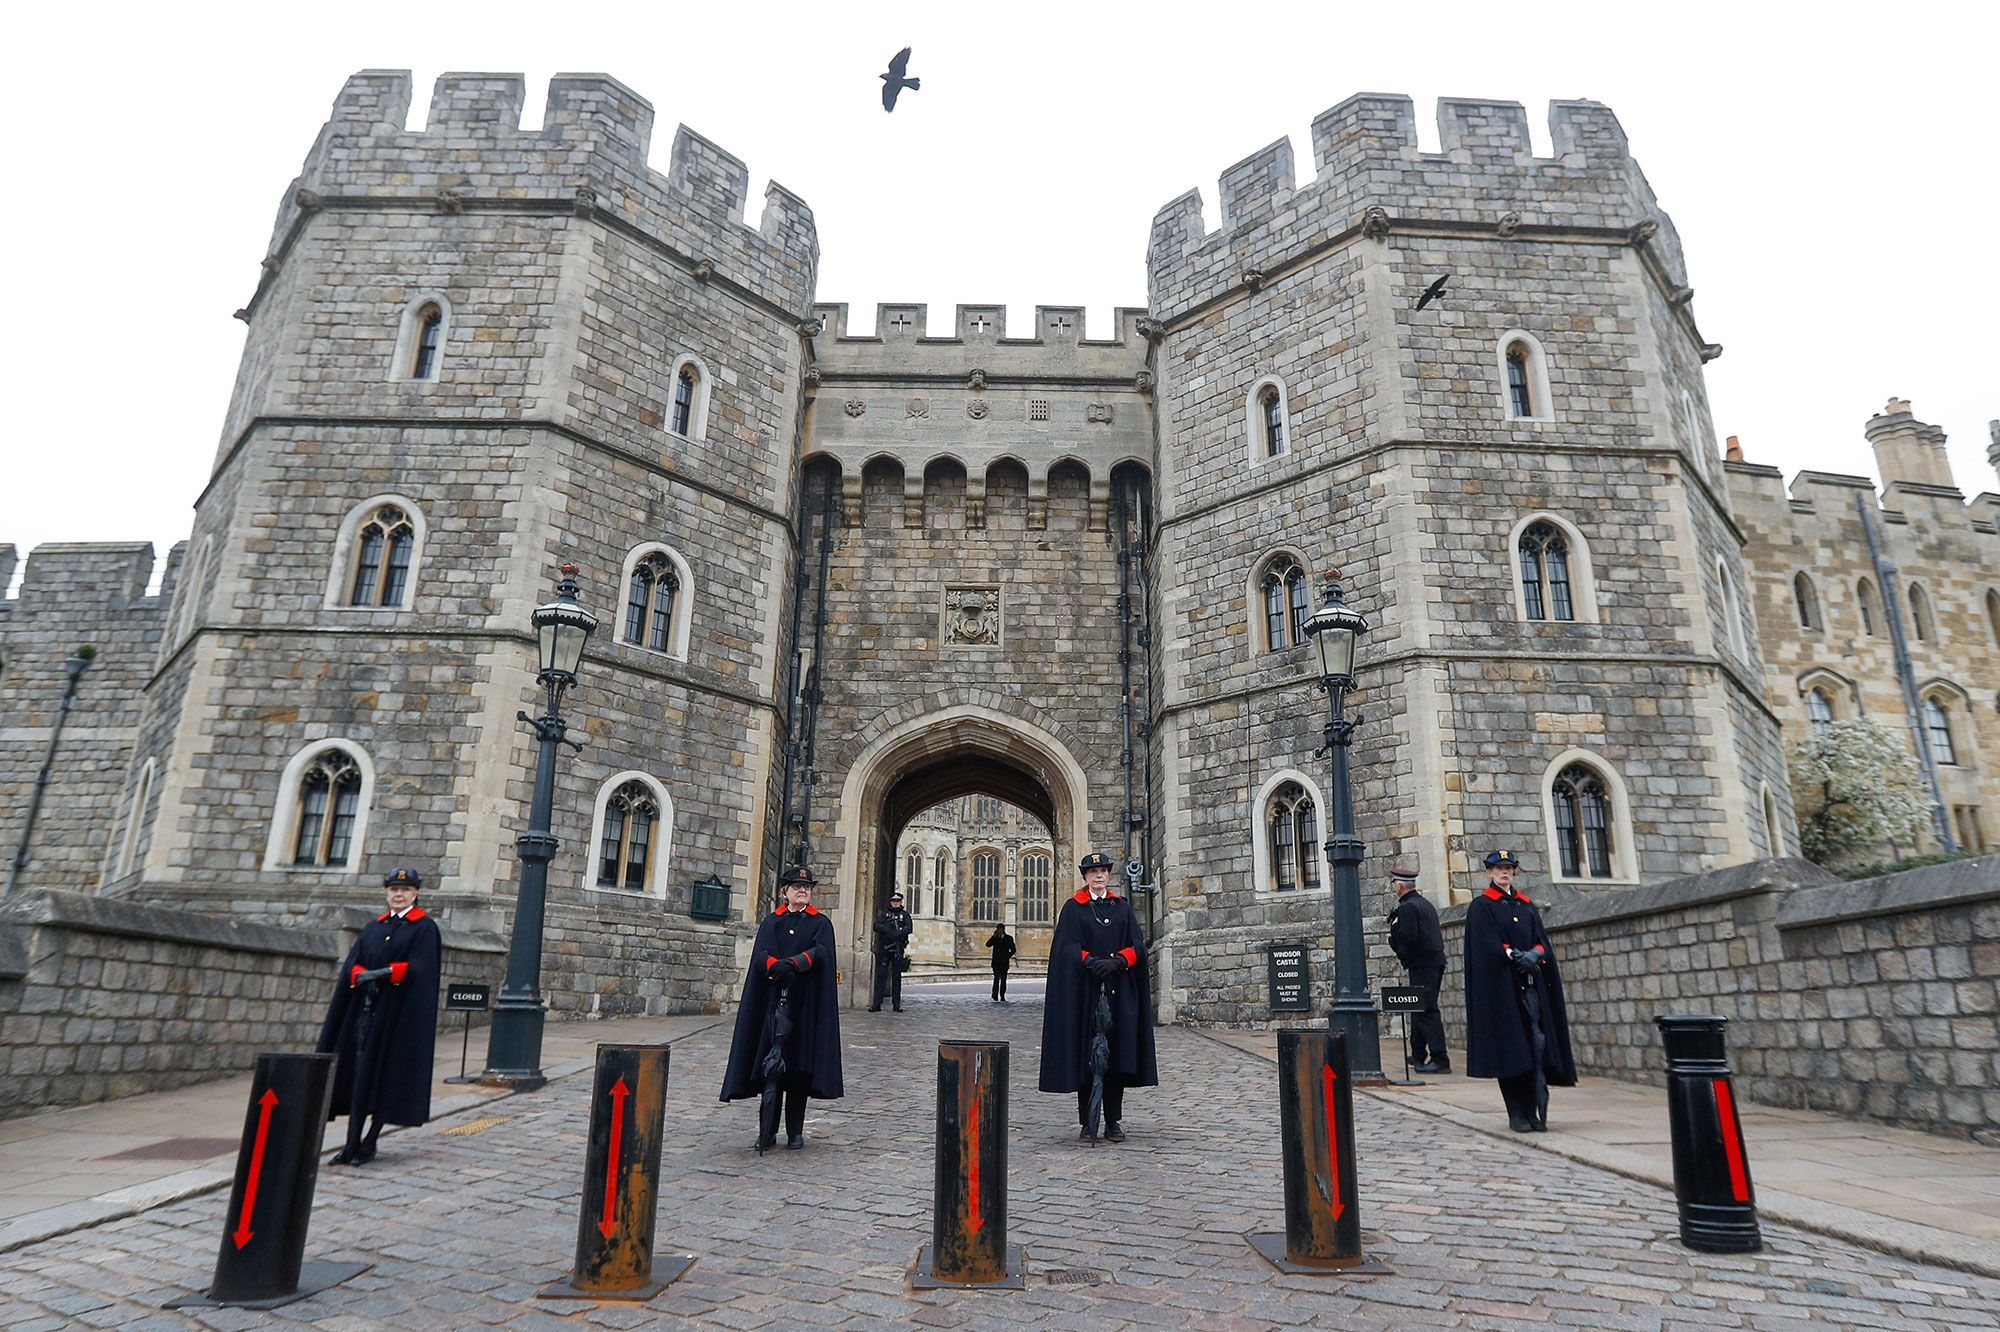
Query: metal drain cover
x=176, y=1149
x=479, y=1125
x=1072, y=1276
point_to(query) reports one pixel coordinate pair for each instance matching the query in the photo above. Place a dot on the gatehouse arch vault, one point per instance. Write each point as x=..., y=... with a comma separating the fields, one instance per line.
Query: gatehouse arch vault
x=913, y=764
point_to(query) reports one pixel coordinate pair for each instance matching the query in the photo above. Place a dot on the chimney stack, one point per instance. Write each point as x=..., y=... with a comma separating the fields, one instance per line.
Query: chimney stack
x=1908, y=450
x=1734, y=453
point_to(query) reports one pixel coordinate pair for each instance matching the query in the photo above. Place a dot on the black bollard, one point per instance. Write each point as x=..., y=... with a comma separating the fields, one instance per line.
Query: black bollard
x=969, y=1247
x=262, y=1264
x=1711, y=1167
x=1316, y=1125
x=621, y=1182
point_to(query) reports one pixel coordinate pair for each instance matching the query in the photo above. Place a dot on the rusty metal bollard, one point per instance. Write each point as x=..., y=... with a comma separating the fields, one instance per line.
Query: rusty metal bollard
x=621, y=1182
x=1316, y=1117
x=969, y=1247
x=262, y=1264
x=1718, y=1206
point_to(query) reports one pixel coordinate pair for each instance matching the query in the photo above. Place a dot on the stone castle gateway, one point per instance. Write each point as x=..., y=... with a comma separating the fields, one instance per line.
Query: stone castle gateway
x=1060, y=569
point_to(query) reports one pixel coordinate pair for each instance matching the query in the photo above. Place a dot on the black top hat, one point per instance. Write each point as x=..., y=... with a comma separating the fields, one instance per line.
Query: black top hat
x=1095, y=860
x=403, y=877
x=1506, y=858
x=797, y=874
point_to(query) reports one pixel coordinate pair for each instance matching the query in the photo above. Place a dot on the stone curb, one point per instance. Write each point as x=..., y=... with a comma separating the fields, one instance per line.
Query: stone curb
x=1900, y=1239
x=50, y=1222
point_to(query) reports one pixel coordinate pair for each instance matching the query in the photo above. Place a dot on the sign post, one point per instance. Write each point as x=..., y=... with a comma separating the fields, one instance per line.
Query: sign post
x=466, y=999
x=1291, y=976
x=1403, y=999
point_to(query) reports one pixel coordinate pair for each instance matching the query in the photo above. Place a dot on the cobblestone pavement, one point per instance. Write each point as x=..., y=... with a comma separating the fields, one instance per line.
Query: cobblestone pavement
x=464, y=1227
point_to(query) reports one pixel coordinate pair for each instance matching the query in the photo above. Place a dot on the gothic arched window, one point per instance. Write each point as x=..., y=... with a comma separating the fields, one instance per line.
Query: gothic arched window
x=687, y=398
x=649, y=603
x=1583, y=823
x=1545, y=580
x=1922, y=623
x=1819, y=707
x=383, y=548
x=1271, y=407
x=940, y=874
x=430, y=337
x=1293, y=824
x=1037, y=887
x=1937, y=729
x=1993, y=616
x=328, y=799
x=1286, y=597
x=1864, y=597
x=913, y=875
x=624, y=853
x=687, y=382
x=1807, y=599
x=986, y=886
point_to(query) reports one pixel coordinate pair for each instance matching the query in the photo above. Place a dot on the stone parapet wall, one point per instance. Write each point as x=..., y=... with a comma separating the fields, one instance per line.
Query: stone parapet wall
x=101, y=998
x=1878, y=999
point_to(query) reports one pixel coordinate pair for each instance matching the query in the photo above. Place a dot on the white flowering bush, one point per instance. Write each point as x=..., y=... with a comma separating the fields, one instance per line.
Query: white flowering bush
x=1856, y=785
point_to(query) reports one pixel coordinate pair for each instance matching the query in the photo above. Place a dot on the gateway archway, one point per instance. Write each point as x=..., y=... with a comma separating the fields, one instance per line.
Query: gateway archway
x=957, y=751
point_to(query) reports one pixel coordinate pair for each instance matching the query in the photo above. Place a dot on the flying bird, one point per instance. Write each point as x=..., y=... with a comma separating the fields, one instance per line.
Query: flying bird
x=1435, y=292
x=893, y=82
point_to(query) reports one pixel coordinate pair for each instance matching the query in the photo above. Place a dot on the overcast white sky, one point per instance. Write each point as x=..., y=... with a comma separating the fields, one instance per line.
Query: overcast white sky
x=1834, y=180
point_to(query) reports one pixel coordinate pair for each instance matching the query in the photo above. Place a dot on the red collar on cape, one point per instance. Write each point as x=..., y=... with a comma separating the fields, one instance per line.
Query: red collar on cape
x=1083, y=895
x=1495, y=895
x=414, y=913
x=784, y=910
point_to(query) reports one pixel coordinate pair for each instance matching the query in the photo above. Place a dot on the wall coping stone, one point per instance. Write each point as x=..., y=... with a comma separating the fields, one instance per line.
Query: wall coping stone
x=108, y=915
x=1955, y=883
x=1568, y=909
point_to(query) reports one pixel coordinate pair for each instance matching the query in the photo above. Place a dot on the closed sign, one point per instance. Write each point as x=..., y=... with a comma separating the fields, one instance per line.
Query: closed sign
x=471, y=998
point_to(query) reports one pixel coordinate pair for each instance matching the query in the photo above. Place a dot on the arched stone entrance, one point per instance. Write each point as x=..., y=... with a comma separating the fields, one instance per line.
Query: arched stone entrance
x=961, y=750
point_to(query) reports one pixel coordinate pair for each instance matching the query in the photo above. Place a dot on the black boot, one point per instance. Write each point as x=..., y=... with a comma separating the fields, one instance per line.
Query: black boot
x=1114, y=1133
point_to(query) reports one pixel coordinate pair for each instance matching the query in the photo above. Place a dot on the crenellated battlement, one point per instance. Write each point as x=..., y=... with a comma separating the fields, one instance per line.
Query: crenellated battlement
x=1059, y=346
x=1365, y=158
x=591, y=152
x=74, y=577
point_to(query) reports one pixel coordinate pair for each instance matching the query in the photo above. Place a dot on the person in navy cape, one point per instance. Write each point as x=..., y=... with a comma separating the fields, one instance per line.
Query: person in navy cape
x=1514, y=999
x=1097, y=945
x=382, y=1023
x=790, y=1001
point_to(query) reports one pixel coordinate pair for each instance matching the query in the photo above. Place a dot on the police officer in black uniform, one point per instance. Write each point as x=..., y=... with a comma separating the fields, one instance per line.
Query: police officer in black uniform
x=892, y=941
x=1418, y=942
x=1516, y=1027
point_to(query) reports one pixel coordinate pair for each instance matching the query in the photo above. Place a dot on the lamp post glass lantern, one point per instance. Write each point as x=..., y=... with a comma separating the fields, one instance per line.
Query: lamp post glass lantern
x=1334, y=629
x=514, y=1042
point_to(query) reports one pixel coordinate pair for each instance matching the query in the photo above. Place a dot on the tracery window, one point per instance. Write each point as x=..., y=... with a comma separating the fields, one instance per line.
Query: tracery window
x=1293, y=823
x=1583, y=822
x=329, y=797
x=649, y=603
x=383, y=548
x=986, y=886
x=624, y=853
x=940, y=873
x=1545, y=580
x=1287, y=596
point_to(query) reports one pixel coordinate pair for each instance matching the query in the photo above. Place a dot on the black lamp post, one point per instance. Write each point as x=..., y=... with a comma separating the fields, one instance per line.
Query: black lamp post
x=1333, y=629
x=76, y=663
x=514, y=1046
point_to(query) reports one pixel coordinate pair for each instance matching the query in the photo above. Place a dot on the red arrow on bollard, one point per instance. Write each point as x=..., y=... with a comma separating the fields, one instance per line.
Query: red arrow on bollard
x=972, y=1165
x=619, y=1091
x=1332, y=1144
x=269, y=1100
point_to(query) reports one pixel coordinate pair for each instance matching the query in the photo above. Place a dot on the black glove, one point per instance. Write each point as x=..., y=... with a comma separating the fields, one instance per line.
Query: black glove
x=378, y=974
x=1527, y=963
x=1102, y=968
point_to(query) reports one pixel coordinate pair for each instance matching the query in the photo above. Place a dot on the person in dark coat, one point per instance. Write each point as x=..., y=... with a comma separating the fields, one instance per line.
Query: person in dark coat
x=382, y=1023
x=791, y=969
x=1097, y=948
x=892, y=946
x=1004, y=948
x=1514, y=1000
x=1418, y=942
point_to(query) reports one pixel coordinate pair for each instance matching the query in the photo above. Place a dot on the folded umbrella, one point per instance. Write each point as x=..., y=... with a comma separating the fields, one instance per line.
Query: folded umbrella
x=777, y=1026
x=1100, y=1058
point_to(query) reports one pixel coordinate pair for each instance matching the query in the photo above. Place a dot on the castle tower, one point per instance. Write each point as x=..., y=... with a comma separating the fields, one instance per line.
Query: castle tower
x=1547, y=414
x=475, y=353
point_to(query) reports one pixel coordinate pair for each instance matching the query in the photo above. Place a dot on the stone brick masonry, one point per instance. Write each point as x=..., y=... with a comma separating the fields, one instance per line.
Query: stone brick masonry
x=1875, y=998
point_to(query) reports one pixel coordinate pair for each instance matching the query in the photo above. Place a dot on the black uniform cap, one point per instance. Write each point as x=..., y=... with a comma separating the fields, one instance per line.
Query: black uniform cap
x=402, y=877
x=1095, y=860
x=1494, y=858
x=797, y=874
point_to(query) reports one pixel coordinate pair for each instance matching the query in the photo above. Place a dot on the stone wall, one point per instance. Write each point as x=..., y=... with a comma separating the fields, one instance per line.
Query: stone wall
x=101, y=998
x=1878, y=998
